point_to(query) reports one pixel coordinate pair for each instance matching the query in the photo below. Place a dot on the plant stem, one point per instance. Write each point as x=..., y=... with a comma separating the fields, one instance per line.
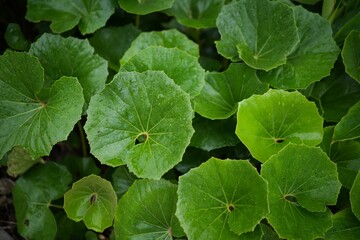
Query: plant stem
x=137, y=21
x=55, y=206
x=83, y=140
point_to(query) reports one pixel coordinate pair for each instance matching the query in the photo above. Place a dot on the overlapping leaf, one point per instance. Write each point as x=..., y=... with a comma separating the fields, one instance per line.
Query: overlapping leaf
x=178, y=65
x=93, y=200
x=28, y=117
x=19, y=161
x=143, y=7
x=269, y=122
x=64, y=15
x=32, y=196
x=222, y=91
x=218, y=201
x=349, y=125
x=251, y=30
x=302, y=181
x=142, y=119
x=345, y=226
x=122, y=180
x=147, y=211
x=355, y=196
x=350, y=54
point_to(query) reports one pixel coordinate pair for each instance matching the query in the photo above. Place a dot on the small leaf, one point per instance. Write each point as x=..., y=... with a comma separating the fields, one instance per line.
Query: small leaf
x=355, y=196
x=27, y=119
x=112, y=42
x=222, y=91
x=345, y=226
x=32, y=196
x=142, y=119
x=251, y=30
x=218, y=201
x=350, y=54
x=89, y=15
x=143, y=7
x=184, y=69
x=302, y=181
x=167, y=38
x=267, y=123
x=196, y=13
x=313, y=57
x=349, y=125
x=147, y=211
x=122, y=179
x=19, y=161
x=93, y=200
x=71, y=57
x=15, y=38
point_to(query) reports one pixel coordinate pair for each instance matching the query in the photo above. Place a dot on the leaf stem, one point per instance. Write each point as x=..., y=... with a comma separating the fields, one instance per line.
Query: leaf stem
x=82, y=137
x=55, y=206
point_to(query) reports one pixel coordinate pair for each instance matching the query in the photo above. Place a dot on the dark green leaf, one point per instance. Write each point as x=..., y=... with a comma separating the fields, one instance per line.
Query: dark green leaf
x=19, y=161
x=345, y=226
x=349, y=125
x=15, y=38
x=143, y=7
x=122, y=180
x=350, y=54
x=355, y=196
x=343, y=26
x=80, y=166
x=325, y=145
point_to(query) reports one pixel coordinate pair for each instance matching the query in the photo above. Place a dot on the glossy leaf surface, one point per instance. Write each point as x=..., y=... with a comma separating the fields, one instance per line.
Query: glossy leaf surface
x=345, y=226
x=349, y=125
x=147, y=211
x=28, y=119
x=269, y=122
x=143, y=7
x=355, y=196
x=93, y=200
x=302, y=181
x=142, y=119
x=350, y=54
x=217, y=200
x=178, y=65
x=251, y=30
x=222, y=91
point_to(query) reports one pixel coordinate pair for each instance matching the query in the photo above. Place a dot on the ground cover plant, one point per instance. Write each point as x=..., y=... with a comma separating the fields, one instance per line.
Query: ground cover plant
x=180, y=119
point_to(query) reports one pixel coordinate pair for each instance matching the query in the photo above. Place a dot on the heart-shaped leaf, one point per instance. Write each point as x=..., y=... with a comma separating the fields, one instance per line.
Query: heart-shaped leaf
x=355, y=196
x=70, y=57
x=345, y=226
x=251, y=30
x=93, y=200
x=184, y=69
x=313, y=57
x=64, y=15
x=29, y=118
x=147, y=211
x=350, y=54
x=167, y=38
x=222, y=91
x=143, y=7
x=302, y=181
x=218, y=201
x=349, y=125
x=269, y=122
x=32, y=196
x=142, y=119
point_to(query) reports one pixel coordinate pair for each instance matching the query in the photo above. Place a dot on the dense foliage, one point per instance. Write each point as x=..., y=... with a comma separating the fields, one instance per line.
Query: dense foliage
x=180, y=119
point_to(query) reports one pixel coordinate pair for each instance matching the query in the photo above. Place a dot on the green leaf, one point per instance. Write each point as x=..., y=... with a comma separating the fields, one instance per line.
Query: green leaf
x=196, y=13
x=325, y=145
x=346, y=155
x=142, y=119
x=261, y=232
x=343, y=26
x=147, y=211
x=143, y=7
x=349, y=125
x=122, y=180
x=15, y=38
x=27, y=119
x=112, y=42
x=19, y=161
x=355, y=196
x=167, y=38
x=192, y=158
x=213, y=134
x=350, y=55
x=302, y=181
x=93, y=200
x=218, y=200
x=32, y=196
x=267, y=123
x=252, y=30
x=64, y=15
x=313, y=57
x=184, y=69
x=70, y=57
x=80, y=166
x=345, y=226
x=222, y=91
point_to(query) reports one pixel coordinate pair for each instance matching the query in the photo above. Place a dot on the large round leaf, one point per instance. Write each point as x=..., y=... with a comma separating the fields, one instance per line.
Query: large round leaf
x=302, y=181
x=218, y=200
x=269, y=122
x=222, y=91
x=345, y=226
x=70, y=57
x=349, y=125
x=32, y=196
x=251, y=30
x=90, y=15
x=350, y=54
x=147, y=211
x=313, y=57
x=178, y=65
x=93, y=200
x=355, y=196
x=142, y=119
x=30, y=119
x=167, y=38
x=143, y=7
